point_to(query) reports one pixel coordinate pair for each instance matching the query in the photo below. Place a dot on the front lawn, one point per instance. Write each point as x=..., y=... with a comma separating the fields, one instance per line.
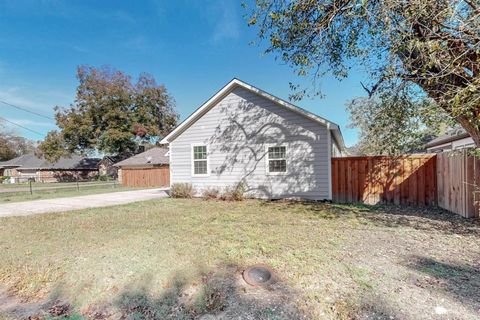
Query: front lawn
x=181, y=259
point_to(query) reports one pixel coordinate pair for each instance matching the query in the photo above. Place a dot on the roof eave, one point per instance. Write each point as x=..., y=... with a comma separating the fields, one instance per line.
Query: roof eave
x=198, y=113
x=142, y=165
x=338, y=136
x=447, y=140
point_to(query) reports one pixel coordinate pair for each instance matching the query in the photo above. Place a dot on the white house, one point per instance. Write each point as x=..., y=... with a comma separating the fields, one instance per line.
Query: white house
x=242, y=133
x=453, y=140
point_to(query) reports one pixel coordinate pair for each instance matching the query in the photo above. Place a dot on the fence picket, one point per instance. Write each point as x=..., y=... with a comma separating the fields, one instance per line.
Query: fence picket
x=449, y=180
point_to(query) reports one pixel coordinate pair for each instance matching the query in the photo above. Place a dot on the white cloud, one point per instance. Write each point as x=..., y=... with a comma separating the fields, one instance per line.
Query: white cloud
x=36, y=99
x=13, y=96
x=227, y=26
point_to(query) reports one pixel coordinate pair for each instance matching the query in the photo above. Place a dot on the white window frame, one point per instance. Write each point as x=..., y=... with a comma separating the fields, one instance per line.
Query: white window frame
x=193, y=160
x=267, y=160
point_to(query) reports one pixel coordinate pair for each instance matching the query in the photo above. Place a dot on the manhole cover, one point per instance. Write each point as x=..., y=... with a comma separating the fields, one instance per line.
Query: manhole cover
x=258, y=275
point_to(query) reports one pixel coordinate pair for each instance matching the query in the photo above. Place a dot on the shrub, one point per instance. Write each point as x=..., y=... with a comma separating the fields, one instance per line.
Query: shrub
x=105, y=177
x=210, y=193
x=182, y=190
x=235, y=193
x=3, y=178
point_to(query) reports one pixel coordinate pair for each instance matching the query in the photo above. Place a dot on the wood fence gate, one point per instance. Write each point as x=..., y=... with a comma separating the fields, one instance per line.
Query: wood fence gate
x=458, y=176
x=146, y=177
x=403, y=180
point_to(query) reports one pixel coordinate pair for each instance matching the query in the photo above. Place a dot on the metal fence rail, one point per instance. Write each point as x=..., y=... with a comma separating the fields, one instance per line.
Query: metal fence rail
x=32, y=187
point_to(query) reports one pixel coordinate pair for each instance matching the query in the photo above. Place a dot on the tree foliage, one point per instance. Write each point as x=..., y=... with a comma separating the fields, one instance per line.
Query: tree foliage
x=111, y=114
x=13, y=145
x=394, y=125
x=429, y=44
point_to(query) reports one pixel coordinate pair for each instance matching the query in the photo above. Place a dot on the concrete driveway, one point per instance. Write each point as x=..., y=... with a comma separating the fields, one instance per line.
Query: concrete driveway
x=81, y=202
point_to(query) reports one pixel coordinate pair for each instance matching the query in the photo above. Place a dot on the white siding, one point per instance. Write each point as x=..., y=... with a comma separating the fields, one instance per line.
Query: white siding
x=463, y=143
x=454, y=145
x=237, y=131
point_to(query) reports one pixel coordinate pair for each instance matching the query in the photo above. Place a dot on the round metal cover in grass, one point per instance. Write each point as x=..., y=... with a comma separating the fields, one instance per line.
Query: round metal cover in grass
x=258, y=275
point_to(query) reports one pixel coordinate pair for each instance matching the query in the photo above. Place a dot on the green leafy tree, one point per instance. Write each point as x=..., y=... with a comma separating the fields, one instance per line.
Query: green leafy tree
x=394, y=125
x=431, y=45
x=12, y=145
x=111, y=115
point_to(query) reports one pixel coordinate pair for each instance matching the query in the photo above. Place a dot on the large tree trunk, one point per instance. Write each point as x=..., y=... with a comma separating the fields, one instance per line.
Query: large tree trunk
x=471, y=130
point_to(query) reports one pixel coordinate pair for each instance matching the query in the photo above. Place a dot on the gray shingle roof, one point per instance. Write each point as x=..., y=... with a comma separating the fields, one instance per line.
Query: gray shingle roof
x=31, y=161
x=154, y=156
x=449, y=137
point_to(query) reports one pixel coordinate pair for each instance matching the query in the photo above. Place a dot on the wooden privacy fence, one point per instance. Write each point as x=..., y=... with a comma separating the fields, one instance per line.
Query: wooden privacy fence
x=403, y=180
x=458, y=176
x=146, y=177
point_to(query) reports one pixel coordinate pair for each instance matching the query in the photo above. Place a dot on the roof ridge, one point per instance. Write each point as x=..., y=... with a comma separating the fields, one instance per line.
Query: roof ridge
x=237, y=82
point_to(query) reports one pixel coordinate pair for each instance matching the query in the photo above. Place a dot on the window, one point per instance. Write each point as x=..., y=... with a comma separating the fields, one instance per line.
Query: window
x=276, y=159
x=200, y=161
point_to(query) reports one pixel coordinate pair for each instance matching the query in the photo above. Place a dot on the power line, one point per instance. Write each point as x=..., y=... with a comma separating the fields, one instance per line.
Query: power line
x=23, y=127
x=26, y=110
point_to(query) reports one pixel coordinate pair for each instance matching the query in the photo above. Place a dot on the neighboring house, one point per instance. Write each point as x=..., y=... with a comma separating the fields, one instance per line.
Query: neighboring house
x=29, y=167
x=146, y=169
x=453, y=140
x=106, y=166
x=244, y=134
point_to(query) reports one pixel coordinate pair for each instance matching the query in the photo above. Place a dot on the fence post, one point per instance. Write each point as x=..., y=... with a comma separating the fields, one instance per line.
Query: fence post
x=78, y=186
x=30, y=184
x=114, y=186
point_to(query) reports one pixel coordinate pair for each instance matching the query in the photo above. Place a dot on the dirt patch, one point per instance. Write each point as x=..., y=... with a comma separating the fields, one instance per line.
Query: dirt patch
x=222, y=294
x=12, y=307
x=218, y=295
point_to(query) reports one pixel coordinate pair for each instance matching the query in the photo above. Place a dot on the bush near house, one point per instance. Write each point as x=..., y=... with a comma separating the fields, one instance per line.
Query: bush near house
x=235, y=193
x=210, y=193
x=182, y=190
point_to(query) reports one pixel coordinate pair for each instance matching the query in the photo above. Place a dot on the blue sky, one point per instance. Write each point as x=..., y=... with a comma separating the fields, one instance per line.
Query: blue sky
x=193, y=47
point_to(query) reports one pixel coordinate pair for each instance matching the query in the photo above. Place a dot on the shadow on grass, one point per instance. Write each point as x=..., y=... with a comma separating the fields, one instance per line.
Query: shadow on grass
x=223, y=294
x=420, y=218
x=462, y=282
x=219, y=293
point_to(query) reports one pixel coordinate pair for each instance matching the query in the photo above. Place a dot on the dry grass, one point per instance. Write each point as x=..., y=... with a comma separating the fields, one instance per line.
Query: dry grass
x=178, y=258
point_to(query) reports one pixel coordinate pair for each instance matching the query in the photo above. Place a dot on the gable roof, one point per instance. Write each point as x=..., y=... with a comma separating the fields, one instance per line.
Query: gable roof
x=31, y=161
x=453, y=135
x=154, y=156
x=210, y=103
x=113, y=159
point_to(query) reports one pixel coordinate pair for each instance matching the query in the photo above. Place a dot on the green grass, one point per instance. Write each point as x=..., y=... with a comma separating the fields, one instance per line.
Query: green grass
x=48, y=191
x=331, y=261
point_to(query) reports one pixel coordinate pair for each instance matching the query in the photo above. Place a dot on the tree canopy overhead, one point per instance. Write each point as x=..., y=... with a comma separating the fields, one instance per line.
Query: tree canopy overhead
x=111, y=114
x=431, y=45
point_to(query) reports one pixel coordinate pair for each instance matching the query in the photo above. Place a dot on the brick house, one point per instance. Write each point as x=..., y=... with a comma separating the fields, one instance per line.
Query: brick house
x=30, y=167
